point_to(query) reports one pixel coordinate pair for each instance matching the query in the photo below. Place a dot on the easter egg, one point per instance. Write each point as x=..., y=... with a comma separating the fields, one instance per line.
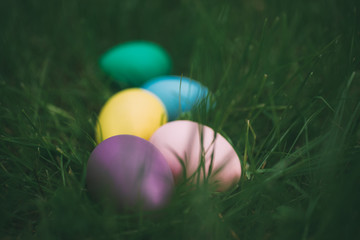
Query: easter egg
x=132, y=111
x=196, y=147
x=135, y=62
x=130, y=172
x=179, y=94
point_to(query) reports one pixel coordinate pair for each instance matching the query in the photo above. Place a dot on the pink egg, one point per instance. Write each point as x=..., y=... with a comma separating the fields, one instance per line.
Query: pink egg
x=130, y=172
x=189, y=142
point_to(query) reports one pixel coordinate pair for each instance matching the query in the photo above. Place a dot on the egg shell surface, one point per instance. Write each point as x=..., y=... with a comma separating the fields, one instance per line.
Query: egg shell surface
x=179, y=94
x=130, y=172
x=135, y=62
x=131, y=111
x=185, y=140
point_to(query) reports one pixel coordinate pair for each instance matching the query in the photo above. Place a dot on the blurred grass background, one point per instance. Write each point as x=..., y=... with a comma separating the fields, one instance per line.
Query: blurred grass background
x=286, y=78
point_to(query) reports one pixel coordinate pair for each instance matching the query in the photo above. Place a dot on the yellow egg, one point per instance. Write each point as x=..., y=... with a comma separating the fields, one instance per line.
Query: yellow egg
x=132, y=111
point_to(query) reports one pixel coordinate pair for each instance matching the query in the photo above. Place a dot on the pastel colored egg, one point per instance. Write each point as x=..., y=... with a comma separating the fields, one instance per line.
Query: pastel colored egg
x=135, y=62
x=130, y=172
x=192, y=145
x=179, y=94
x=132, y=111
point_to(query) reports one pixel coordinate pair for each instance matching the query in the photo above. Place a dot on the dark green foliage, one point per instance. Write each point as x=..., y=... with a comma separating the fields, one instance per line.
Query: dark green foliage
x=285, y=76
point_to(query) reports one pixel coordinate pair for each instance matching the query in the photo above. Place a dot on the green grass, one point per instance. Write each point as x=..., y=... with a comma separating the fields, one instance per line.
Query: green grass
x=286, y=79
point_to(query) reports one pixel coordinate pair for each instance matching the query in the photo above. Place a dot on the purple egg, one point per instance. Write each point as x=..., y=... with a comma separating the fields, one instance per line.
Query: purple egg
x=131, y=172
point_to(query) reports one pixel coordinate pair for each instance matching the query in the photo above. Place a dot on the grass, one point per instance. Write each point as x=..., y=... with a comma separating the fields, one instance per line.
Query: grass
x=285, y=76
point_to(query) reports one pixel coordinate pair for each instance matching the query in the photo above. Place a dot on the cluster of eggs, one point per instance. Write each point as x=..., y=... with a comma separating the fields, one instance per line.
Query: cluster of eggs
x=143, y=151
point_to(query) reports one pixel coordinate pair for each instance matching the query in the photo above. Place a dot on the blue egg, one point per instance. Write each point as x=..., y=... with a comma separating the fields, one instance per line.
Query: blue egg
x=179, y=94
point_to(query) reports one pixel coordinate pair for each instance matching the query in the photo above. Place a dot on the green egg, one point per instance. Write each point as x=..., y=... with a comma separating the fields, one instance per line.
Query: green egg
x=133, y=63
